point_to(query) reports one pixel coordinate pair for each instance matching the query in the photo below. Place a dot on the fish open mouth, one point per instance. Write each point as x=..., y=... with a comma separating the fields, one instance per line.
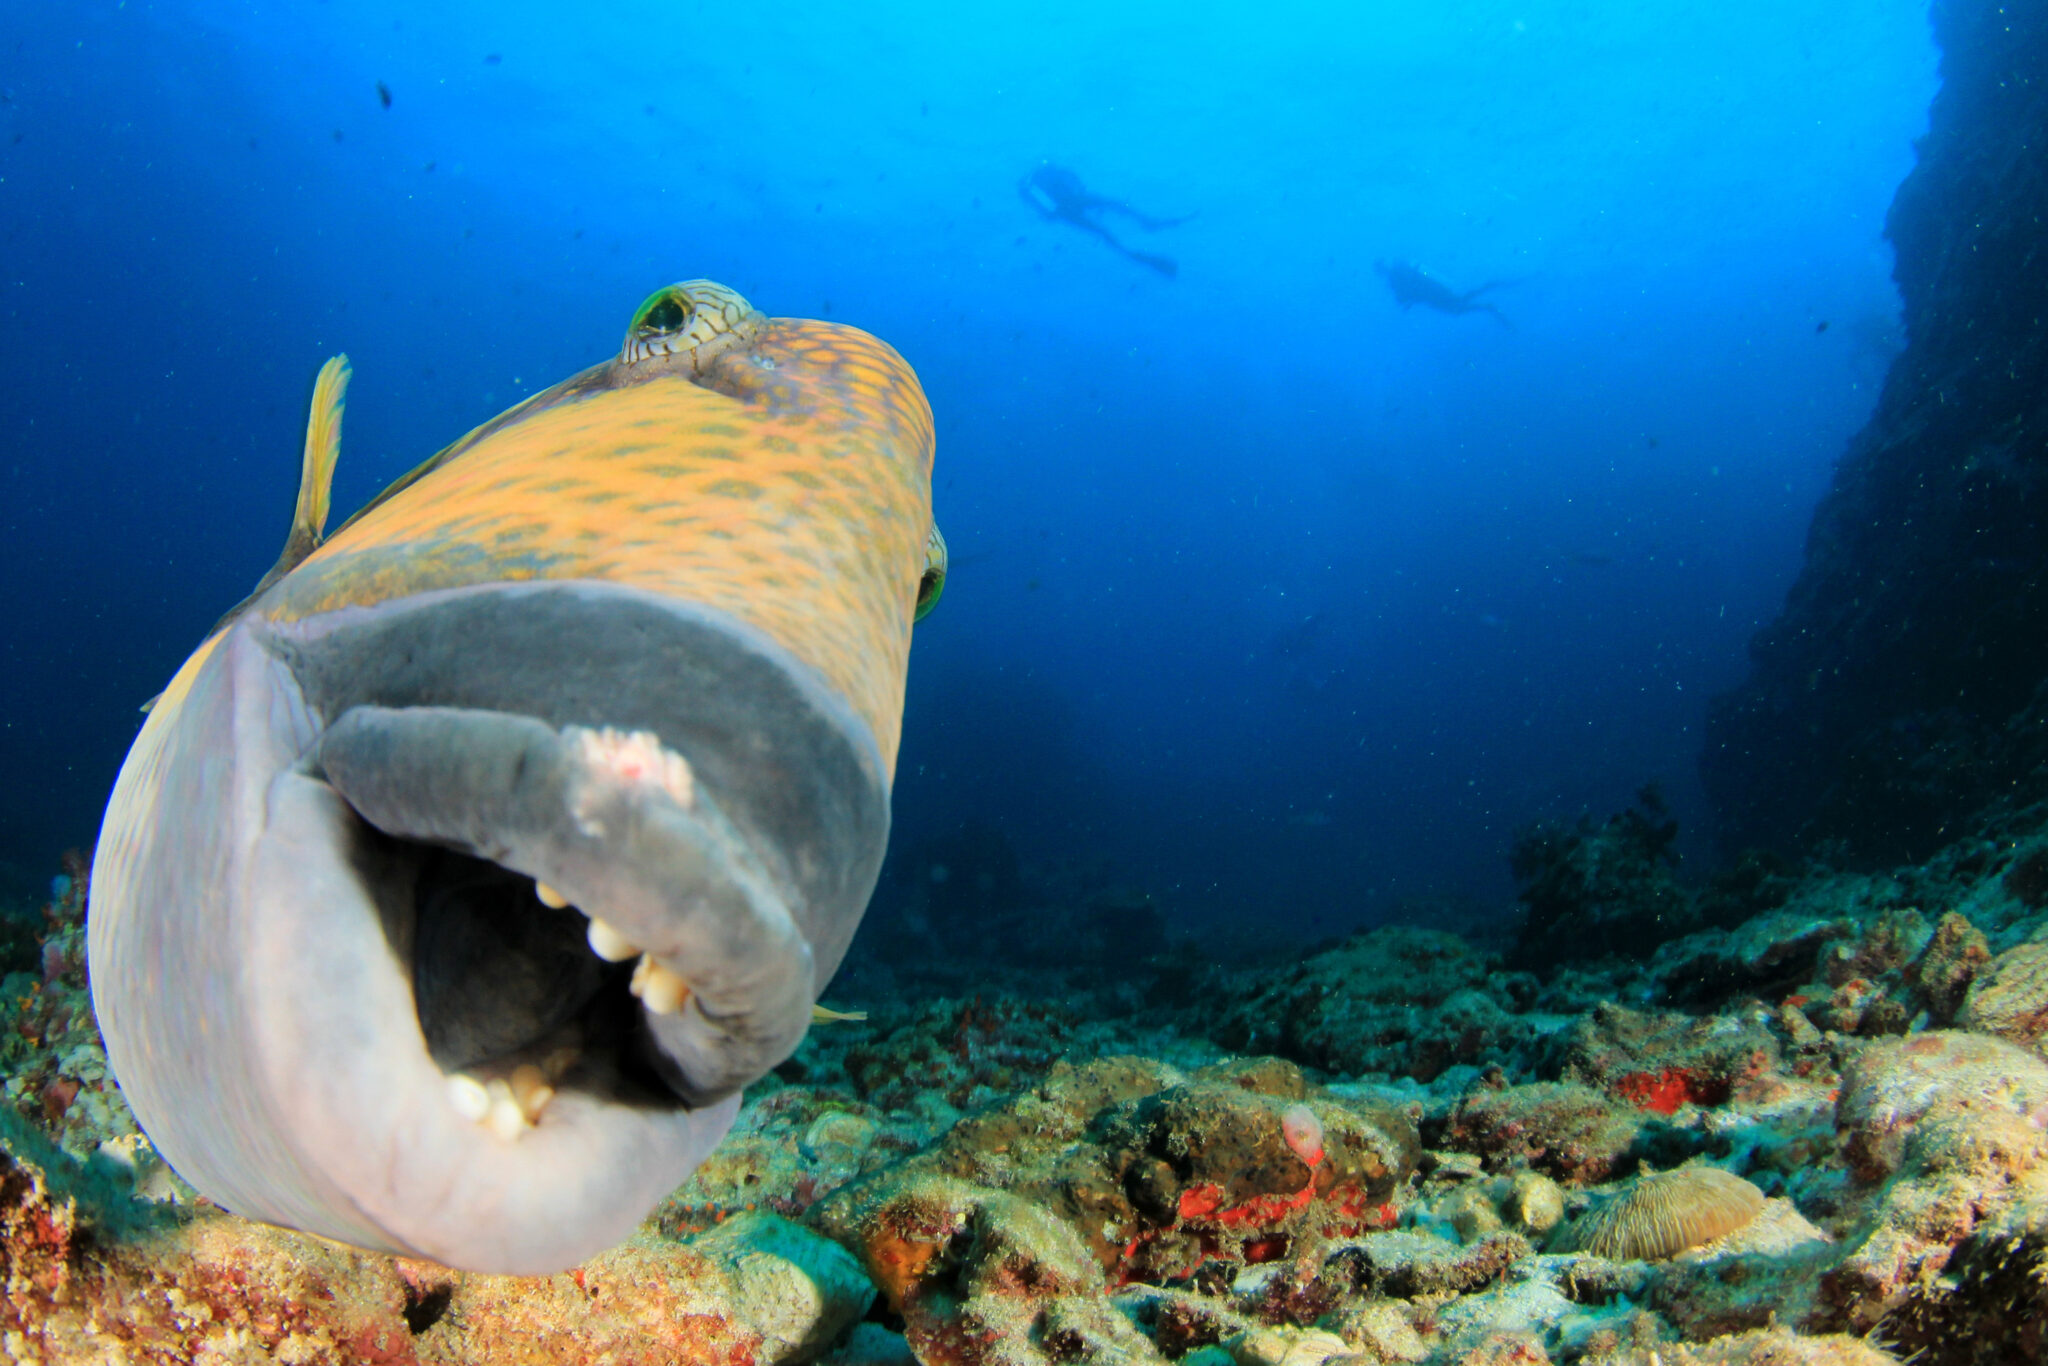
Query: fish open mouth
x=530, y=880
x=681, y=977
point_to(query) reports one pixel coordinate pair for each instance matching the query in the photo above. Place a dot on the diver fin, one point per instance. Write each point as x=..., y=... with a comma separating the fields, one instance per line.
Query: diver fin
x=827, y=1015
x=1165, y=265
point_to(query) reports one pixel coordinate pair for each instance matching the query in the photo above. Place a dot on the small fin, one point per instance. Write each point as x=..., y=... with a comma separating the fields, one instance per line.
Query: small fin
x=316, y=483
x=827, y=1015
x=316, y=471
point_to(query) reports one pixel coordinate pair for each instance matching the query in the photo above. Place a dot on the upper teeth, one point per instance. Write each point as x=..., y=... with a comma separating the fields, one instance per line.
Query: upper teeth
x=608, y=944
x=510, y=1105
x=660, y=990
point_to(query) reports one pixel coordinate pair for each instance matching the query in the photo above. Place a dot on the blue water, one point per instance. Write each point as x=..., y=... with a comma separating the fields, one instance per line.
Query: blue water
x=1269, y=596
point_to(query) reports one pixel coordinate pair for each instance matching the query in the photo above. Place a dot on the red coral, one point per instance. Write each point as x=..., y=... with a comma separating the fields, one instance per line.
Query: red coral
x=383, y=1344
x=1668, y=1088
x=1205, y=1202
x=1357, y=1212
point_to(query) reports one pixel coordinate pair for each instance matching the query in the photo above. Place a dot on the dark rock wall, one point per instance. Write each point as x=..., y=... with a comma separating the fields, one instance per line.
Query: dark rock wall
x=1901, y=689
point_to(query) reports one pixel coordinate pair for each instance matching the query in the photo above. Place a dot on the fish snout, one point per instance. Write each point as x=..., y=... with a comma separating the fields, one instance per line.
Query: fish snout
x=456, y=923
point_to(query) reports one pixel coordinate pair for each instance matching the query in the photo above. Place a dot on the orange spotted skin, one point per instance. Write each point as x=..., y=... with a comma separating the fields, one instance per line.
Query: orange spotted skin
x=789, y=486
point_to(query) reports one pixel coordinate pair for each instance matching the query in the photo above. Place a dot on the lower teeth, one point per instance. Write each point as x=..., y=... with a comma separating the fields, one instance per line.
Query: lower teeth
x=508, y=1106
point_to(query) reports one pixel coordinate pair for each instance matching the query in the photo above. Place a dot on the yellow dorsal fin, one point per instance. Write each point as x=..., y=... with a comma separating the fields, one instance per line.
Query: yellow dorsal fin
x=316, y=484
x=827, y=1015
x=316, y=471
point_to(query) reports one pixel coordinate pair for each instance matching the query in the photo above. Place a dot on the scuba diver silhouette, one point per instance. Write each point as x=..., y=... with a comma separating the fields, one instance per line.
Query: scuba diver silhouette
x=1412, y=286
x=1058, y=195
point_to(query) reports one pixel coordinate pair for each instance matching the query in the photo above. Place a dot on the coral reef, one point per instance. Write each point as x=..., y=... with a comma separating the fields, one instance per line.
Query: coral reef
x=1026, y=1180
x=52, y=1066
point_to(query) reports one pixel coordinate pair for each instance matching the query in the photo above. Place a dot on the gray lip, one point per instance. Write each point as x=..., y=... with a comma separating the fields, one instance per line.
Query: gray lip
x=256, y=912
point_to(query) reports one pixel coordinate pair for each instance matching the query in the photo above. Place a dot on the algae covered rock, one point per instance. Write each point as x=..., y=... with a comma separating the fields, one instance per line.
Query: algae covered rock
x=1990, y=1305
x=1939, y=1099
x=2009, y=997
x=91, y=1274
x=1956, y=953
x=1664, y=1060
x=1286, y=1347
x=1950, y=1129
x=1406, y=1265
x=1768, y=956
x=1766, y=1272
x=1395, y=1000
x=795, y=1288
x=969, y=1268
x=1778, y=1347
x=1566, y=1130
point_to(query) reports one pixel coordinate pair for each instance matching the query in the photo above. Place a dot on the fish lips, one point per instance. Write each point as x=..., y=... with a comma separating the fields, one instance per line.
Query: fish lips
x=331, y=913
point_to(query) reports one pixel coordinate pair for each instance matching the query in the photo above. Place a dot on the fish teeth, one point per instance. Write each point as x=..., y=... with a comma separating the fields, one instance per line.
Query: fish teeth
x=607, y=943
x=507, y=1106
x=530, y=1089
x=506, y=1120
x=605, y=940
x=660, y=990
x=469, y=1097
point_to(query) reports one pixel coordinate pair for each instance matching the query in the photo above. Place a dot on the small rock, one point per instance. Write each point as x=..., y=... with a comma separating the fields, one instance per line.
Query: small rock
x=1379, y=1331
x=798, y=1290
x=1535, y=1204
x=1286, y=1347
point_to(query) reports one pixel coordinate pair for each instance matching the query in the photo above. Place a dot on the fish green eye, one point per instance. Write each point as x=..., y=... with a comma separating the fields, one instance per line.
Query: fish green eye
x=662, y=313
x=696, y=320
x=933, y=584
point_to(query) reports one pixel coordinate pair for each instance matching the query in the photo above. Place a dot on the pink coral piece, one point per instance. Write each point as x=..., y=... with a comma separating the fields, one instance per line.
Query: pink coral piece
x=1304, y=1133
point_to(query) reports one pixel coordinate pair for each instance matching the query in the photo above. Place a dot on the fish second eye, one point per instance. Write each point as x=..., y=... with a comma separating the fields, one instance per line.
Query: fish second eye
x=932, y=583
x=929, y=589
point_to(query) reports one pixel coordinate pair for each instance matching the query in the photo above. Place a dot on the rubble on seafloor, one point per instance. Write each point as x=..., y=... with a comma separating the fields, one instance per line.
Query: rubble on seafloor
x=1815, y=1134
